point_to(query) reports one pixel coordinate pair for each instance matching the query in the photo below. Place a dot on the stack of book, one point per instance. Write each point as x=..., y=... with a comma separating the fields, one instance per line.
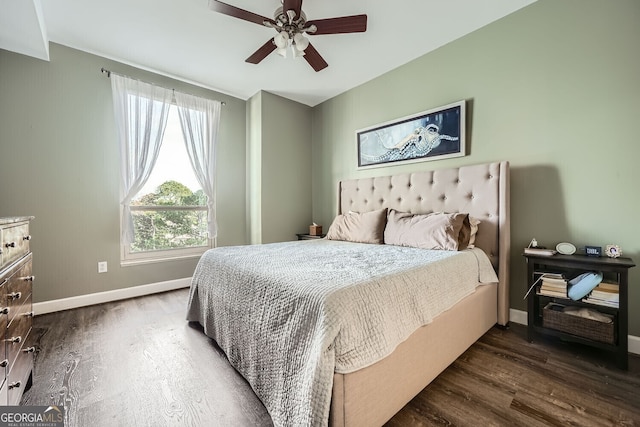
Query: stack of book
x=606, y=293
x=553, y=285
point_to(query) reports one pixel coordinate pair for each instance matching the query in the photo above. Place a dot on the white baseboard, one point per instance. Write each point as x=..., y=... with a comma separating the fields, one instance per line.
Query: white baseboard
x=634, y=344
x=108, y=296
x=520, y=317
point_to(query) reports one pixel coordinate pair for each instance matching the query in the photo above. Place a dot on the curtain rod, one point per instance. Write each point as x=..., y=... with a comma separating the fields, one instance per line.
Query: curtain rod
x=108, y=73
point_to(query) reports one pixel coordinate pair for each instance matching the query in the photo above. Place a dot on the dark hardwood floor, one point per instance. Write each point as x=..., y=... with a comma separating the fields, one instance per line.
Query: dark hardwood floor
x=139, y=363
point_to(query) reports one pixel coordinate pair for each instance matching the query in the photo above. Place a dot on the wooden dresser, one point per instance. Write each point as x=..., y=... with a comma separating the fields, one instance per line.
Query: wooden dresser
x=16, y=355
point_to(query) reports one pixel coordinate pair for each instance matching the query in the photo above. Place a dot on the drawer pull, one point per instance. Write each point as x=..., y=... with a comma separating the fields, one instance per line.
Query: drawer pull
x=29, y=350
x=4, y=363
x=15, y=295
x=28, y=237
x=29, y=314
x=29, y=278
x=4, y=310
x=16, y=384
x=10, y=245
x=14, y=340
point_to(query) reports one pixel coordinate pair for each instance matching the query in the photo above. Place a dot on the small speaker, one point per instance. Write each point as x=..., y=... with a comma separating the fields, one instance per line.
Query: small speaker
x=593, y=250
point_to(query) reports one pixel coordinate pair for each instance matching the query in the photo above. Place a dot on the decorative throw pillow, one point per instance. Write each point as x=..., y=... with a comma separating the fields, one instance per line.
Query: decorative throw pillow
x=474, y=223
x=365, y=227
x=442, y=231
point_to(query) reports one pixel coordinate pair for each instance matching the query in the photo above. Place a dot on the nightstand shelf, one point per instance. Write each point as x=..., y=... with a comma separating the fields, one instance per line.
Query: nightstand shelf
x=304, y=236
x=614, y=270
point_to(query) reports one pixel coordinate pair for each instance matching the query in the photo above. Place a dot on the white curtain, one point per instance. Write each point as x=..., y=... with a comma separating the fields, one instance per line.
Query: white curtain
x=141, y=111
x=200, y=120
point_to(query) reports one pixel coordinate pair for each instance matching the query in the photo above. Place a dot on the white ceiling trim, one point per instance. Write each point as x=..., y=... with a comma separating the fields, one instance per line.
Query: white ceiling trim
x=23, y=29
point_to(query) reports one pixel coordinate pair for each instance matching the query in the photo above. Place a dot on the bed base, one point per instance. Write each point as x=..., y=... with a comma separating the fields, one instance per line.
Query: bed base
x=372, y=395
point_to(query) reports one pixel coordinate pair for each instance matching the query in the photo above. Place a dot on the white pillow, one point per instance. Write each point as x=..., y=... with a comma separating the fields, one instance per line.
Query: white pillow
x=440, y=231
x=366, y=227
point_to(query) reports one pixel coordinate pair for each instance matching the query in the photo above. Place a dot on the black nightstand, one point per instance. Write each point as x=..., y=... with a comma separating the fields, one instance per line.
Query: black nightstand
x=614, y=270
x=309, y=236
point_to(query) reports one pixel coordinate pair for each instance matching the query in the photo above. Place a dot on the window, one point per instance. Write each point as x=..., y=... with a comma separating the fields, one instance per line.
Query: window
x=167, y=179
x=170, y=212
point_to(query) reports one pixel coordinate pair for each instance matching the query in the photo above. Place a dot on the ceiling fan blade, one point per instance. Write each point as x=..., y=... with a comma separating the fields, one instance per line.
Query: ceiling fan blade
x=262, y=52
x=314, y=59
x=236, y=12
x=295, y=5
x=341, y=25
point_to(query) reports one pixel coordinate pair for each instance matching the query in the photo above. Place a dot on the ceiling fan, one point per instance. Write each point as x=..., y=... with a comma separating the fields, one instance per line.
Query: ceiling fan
x=291, y=24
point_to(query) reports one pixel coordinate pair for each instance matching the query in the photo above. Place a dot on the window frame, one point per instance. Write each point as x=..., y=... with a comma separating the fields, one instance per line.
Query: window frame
x=128, y=258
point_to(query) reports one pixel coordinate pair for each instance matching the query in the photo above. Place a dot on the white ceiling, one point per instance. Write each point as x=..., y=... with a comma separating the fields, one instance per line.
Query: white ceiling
x=184, y=39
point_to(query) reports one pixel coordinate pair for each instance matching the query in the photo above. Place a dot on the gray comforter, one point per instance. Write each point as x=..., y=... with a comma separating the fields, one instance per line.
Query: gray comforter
x=288, y=315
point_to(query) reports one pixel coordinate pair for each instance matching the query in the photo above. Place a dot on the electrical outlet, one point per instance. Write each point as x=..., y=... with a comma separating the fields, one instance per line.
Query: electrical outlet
x=102, y=266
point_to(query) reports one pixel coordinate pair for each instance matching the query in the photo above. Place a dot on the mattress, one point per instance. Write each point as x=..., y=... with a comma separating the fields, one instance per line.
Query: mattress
x=289, y=315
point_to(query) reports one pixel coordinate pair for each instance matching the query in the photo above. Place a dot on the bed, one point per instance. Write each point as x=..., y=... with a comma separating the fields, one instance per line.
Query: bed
x=304, y=341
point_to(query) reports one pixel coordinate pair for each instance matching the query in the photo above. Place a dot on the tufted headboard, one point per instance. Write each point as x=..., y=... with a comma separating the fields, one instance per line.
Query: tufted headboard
x=480, y=190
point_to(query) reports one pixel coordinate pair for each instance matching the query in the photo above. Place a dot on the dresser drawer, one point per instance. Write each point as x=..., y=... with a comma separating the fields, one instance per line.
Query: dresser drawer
x=18, y=288
x=18, y=331
x=18, y=376
x=3, y=391
x=14, y=242
x=16, y=352
x=4, y=361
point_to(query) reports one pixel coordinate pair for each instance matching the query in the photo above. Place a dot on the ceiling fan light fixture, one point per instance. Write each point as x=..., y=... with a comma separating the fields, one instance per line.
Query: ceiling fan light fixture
x=301, y=42
x=281, y=39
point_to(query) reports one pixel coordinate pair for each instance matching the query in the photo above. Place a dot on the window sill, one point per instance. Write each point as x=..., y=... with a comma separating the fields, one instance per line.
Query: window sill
x=159, y=259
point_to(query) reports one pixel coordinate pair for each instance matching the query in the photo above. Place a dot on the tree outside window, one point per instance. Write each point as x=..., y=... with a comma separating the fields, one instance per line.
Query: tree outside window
x=169, y=218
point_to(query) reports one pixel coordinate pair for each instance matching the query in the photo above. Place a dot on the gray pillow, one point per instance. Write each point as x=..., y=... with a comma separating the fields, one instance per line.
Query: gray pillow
x=366, y=227
x=442, y=231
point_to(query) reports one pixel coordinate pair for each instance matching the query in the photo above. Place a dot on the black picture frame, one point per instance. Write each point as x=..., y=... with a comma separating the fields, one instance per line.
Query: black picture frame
x=434, y=134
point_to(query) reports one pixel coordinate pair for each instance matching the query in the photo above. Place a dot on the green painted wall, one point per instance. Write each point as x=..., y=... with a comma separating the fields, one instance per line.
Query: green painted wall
x=286, y=168
x=553, y=88
x=59, y=162
x=279, y=172
x=254, y=169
